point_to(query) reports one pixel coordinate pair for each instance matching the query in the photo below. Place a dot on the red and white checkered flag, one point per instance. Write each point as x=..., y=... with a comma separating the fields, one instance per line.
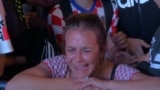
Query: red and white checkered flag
x=115, y=18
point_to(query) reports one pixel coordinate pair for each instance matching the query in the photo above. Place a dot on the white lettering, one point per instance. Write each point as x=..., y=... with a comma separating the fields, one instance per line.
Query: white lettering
x=130, y=3
x=157, y=58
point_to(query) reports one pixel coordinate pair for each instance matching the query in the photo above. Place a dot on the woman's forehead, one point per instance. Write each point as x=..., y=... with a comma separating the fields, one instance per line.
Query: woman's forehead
x=80, y=36
x=80, y=39
x=80, y=32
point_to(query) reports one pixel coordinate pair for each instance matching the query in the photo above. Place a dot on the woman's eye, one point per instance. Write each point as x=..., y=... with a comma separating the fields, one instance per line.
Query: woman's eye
x=87, y=51
x=70, y=50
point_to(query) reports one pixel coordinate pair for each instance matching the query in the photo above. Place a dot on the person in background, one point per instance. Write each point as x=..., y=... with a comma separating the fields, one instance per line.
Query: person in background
x=37, y=19
x=152, y=62
x=139, y=31
x=5, y=43
x=139, y=20
x=83, y=66
x=24, y=41
x=26, y=28
x=147, y=63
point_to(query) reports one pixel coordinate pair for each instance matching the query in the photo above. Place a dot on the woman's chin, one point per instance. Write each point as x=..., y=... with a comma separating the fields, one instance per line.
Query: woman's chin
x=80, y=75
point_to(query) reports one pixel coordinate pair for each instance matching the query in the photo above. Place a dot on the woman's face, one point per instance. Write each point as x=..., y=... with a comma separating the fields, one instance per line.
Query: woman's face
x=82, y=52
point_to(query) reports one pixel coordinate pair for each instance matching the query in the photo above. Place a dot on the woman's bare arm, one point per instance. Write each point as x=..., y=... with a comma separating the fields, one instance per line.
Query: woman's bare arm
x=138, y=82
x=38, y=78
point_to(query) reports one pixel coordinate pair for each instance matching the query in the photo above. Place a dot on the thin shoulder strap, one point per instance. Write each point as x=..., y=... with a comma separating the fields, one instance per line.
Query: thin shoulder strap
x=113, y=72
x=108, y=9
x=66, y=8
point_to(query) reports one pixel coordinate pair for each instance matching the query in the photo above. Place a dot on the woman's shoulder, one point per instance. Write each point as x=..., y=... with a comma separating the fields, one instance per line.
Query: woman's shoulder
x=124, y=72
x=56, y=58
x=57, y=65
x=118, y=71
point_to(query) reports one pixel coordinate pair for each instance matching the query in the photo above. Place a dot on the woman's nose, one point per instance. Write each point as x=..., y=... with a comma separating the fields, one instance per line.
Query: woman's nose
x=78, y=57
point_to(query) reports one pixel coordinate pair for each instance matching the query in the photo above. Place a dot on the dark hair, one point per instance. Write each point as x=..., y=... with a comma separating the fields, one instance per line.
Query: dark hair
x=90, y=22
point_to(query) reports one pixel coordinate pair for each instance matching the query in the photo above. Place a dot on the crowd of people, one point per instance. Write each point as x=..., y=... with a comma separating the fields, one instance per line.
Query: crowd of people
x=89, y=44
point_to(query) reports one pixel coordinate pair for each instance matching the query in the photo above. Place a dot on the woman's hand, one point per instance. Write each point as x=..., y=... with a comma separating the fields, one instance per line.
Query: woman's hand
x=92, y=84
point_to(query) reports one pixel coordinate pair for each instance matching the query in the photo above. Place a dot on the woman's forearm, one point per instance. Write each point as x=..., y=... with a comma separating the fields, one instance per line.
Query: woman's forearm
x=151, y=83
x=28, y=82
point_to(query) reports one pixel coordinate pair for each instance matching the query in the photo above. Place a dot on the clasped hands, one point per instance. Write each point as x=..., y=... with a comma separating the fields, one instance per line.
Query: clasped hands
x=91, y=83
